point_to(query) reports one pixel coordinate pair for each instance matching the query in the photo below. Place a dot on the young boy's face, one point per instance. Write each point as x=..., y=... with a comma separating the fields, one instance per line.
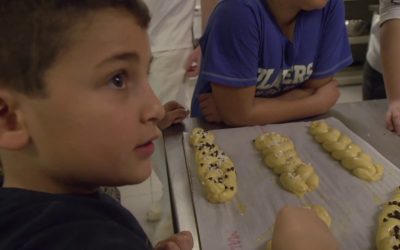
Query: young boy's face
x=99, y=120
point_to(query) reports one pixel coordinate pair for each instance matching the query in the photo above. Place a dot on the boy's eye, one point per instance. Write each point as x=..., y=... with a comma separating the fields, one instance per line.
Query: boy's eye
x=118, y=81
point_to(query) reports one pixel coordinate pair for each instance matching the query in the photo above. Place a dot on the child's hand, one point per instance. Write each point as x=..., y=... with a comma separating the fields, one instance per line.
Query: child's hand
x=393, y=116
x=299, y=228
x=174, y=113
x=179, y=241
x=208, y=108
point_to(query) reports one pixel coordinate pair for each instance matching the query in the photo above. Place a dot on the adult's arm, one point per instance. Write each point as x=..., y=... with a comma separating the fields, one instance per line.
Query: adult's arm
x=193, y=62
x=390, y=54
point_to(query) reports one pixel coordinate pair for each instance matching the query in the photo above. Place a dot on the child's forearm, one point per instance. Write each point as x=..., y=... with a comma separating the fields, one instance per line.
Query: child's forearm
x=319, y=101
x=239, y=107
x=272, y=110
x=309, y=88
x=296, y=94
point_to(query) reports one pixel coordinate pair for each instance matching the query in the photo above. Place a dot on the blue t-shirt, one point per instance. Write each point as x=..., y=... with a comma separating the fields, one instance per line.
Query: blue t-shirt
x=243, y=46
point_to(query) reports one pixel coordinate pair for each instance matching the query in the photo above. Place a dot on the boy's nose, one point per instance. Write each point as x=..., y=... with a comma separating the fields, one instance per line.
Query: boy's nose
x=154, y=110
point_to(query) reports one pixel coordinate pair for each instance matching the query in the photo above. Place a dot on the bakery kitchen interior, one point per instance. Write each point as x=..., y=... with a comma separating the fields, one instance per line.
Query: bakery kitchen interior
x=245, y=178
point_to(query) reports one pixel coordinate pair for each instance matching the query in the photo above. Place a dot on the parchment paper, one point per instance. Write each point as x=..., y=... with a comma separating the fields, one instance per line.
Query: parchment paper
x=246, y=222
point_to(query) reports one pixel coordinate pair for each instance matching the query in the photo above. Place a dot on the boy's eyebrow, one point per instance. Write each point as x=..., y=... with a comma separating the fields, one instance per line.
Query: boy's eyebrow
x=126, y=56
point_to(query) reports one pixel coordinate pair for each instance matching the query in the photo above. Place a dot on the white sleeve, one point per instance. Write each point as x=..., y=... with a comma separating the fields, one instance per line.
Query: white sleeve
x=389, y=9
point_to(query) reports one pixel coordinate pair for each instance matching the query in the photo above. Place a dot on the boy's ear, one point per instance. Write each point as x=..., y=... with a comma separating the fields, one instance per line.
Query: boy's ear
x=13, y=132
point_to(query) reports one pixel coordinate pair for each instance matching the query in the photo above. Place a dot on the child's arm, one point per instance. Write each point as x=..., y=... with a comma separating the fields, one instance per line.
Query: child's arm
x=174, y=113
x=309, y=88
x=300, y=229
x=179, y=241
x=239, y=107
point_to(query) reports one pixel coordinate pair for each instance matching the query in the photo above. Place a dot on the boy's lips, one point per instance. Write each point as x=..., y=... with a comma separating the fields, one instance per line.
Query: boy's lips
x=146, y=149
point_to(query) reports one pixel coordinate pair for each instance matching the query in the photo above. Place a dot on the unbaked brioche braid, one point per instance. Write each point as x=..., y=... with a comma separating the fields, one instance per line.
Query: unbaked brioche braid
x=280, y=155
x=215, y=169
x=388, y=234
x=350, y=155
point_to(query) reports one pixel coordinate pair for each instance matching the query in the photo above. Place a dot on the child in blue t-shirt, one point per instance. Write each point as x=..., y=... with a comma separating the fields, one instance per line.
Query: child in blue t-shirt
x=269, y=61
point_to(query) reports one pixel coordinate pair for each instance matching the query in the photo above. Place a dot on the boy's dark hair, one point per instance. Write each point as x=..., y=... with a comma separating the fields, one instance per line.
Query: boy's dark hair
x=33, y=32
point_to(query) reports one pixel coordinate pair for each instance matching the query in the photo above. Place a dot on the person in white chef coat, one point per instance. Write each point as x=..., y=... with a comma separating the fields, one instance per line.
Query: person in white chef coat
x=171, y=44
x=381, y=71
x=175, y=60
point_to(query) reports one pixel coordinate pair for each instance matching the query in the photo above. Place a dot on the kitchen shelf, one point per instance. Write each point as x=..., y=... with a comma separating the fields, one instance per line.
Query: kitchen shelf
x=350, y=76
x=357, y=10
x=373, y=7
x=359, y=39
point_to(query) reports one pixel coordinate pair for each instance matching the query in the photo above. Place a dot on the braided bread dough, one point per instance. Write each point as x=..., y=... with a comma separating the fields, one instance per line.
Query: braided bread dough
x=321, y=212
x=280, y=155
x=342, y=148
x=388, y=234
x=215, y=169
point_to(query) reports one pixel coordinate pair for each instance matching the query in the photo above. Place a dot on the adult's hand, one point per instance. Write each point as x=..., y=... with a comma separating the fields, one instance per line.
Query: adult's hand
x=393, y=117
x=192, y=66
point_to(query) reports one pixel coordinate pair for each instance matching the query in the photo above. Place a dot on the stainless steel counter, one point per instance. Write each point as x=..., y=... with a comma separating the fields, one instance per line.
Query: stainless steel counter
x=367, y=119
